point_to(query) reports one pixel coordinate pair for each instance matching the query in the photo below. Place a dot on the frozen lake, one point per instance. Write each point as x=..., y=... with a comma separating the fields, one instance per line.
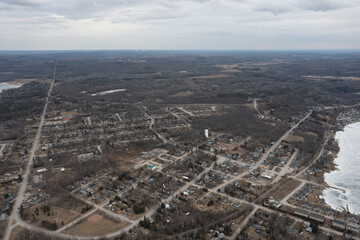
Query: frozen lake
x=108, y=92
x=348, y=174
x=4, y=86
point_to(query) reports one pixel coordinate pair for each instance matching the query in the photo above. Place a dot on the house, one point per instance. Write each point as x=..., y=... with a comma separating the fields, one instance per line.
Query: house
x=276, y=204
x=41, y=170
x=266, y=177
x=186, y=178
x=25, y=205
x=84, y=193
x=264, y=166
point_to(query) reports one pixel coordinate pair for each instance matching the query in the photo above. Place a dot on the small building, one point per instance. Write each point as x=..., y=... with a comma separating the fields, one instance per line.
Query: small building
x=266, y=177
x=151, y=167
x=302, y=213
x=41, y=170
x=276, y=204
x=186, y=178
x=317, y=217
x=25, y=205
x=341, y=225
x=84, y=193
x=264, y=166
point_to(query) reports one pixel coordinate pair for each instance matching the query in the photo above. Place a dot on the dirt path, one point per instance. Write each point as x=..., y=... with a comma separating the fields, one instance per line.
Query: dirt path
x=187, y=112
x=2, y=149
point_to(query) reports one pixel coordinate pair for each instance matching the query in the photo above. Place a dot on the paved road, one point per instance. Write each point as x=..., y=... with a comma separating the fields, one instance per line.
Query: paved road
x=179, y=118
x=15, y=215
x=321, y=150
x=284, y=200
x=244, y=223
x=152, y=121
x=286, y=169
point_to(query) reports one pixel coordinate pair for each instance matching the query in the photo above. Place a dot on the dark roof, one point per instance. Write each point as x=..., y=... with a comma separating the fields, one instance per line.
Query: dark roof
x=338, y=222
x=301, y=211
x=317, y=216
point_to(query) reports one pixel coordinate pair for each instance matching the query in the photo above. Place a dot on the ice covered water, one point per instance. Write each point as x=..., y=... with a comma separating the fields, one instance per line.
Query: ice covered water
x=347, y=176
x=4, y=86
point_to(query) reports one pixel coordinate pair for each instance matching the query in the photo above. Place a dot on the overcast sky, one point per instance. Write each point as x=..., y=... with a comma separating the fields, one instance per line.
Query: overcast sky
x=179, y=24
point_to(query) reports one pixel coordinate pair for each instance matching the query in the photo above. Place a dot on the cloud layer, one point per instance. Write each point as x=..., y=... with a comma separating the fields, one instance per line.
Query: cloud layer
x=179, y=24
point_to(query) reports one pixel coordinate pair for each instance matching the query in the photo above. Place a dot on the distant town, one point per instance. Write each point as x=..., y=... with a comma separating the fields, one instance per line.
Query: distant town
x=174, y=145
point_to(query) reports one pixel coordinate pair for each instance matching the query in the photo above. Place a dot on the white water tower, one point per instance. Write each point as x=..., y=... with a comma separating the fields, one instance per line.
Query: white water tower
x=206, y=133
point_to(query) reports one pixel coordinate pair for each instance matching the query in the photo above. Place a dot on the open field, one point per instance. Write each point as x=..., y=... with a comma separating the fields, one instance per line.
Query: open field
x=284, y=189
x=15, y=232
x=332, y=78
x=96, y=225
x=211, y=76
x=293, y=138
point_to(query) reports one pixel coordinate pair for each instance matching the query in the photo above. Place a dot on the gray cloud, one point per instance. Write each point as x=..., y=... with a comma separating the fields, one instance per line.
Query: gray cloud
x=179, y=23
x=26, y=2
x=274, y=9
x=322, y=5
x=283, y=6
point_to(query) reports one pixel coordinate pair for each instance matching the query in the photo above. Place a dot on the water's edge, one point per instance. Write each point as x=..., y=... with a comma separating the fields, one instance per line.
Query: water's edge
x=347, y=175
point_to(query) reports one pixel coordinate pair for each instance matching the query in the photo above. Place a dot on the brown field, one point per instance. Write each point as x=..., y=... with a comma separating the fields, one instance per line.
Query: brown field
x=293, y=138
x=312, y=133
x=318, y=78
x=284, y=189
x=123, y=158
x=313, y=197
x=95, y=218
x=229, y=148
x=56, y=214
x=319, y=178
x=229, y=66
x=182, y=94
x=96, y=225
x=15, y=232
x=211, y=76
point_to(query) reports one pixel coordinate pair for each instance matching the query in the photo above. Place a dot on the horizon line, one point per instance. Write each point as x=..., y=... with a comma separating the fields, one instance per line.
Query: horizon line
x=179, y=50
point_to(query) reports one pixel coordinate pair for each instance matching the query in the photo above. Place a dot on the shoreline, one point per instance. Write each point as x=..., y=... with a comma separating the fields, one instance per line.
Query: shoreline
x=343, y=175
